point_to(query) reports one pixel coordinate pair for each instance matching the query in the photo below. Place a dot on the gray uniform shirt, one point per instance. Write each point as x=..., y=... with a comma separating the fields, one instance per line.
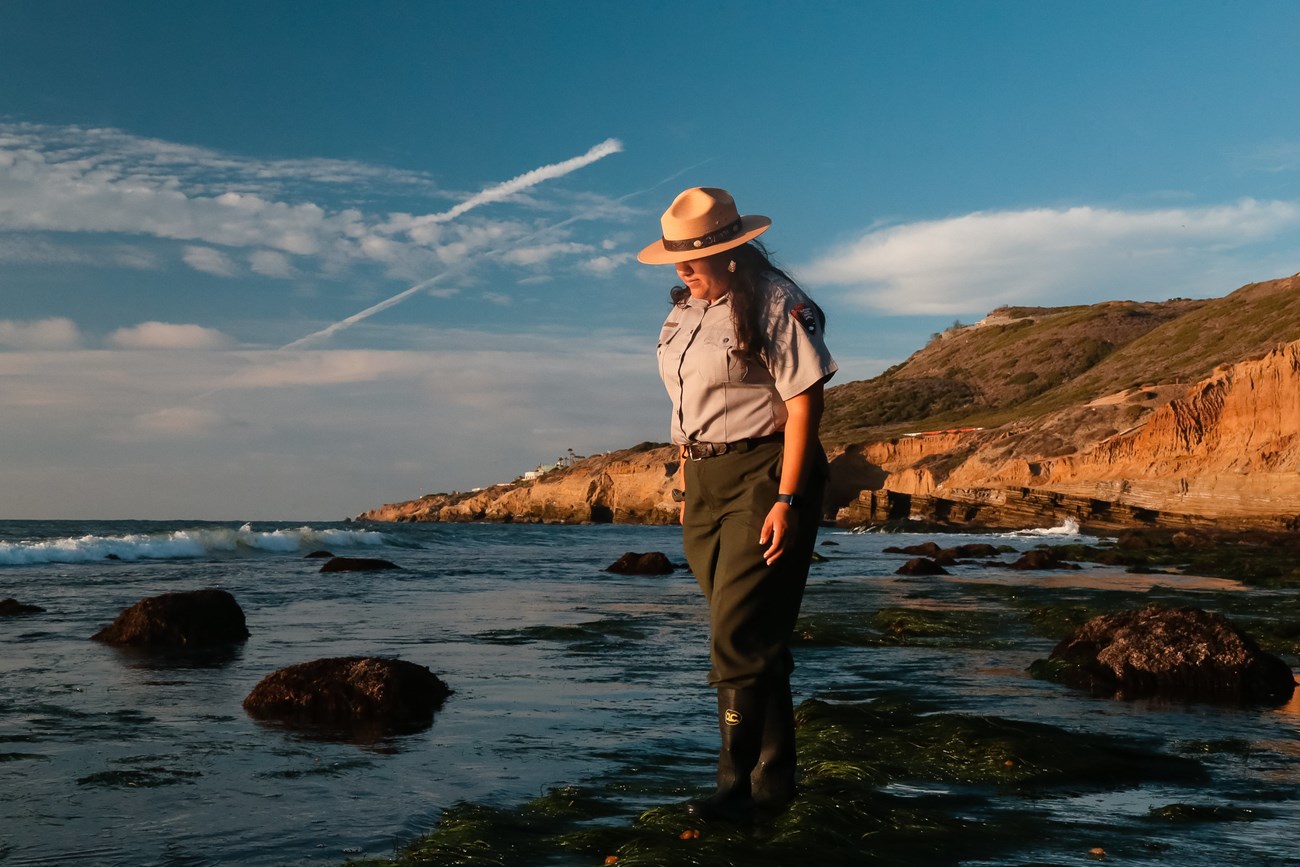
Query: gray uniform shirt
x=721, y=395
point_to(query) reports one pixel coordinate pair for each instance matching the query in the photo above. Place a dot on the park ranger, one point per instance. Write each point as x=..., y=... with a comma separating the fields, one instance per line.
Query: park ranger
x=744, y=361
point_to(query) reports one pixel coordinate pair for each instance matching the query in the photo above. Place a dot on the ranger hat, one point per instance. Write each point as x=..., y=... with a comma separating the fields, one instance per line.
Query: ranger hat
x=700, y=222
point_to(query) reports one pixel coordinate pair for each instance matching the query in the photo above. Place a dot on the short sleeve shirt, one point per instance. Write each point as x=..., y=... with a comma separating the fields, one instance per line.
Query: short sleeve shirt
x=721, y=394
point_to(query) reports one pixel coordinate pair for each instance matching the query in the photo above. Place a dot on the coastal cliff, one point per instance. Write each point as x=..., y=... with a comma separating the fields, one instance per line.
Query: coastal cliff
x=1183, y=413
x=1226, y=453
x=631, y=486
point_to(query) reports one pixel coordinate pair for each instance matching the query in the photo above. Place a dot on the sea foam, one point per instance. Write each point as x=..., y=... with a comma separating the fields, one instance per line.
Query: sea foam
x=182, y=544
x=1067, y=527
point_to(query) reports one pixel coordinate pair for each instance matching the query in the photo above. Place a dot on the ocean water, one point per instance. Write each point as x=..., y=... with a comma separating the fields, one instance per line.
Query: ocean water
x=112, y=757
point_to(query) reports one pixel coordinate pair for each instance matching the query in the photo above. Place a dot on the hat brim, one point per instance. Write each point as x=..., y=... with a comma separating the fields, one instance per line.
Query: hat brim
x=751, y=226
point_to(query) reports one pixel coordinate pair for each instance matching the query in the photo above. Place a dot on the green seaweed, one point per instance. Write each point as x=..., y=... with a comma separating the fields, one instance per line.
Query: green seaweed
x=591, y=635
x=844, y=814
x=895, y=626
x=1258, y=559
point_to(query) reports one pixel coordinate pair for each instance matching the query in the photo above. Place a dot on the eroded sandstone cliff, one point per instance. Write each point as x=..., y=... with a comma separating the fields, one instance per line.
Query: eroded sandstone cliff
x=1227, y=452
x=628, y=486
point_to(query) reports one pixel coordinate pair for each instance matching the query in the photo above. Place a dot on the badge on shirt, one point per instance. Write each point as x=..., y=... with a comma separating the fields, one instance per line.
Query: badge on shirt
x=805, y=316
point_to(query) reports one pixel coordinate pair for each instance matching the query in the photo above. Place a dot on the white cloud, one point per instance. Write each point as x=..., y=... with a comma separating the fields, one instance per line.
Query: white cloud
x=322, y=368
x=1272, y=157
x=29, y=249
x=602, y=266
x=498, y=299
x=270, y=263
x=93, y=181
x=53, y=333
x=179, y=421
x=538, y=254
x=975, y=262
x=210, y=261
x=166, y=335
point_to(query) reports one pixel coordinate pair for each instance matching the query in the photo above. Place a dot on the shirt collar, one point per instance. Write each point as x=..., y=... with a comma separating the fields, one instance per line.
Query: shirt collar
x=701, y=304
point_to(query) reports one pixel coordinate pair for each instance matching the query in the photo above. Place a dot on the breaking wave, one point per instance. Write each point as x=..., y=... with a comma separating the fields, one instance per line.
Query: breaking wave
x=182, y=544
x=1067, y=527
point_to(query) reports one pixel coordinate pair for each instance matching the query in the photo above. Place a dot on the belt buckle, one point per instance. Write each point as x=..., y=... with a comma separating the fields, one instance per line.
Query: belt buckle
x=700, y=451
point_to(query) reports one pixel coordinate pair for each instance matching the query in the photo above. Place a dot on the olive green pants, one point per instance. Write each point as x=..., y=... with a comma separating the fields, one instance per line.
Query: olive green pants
x=752, y=606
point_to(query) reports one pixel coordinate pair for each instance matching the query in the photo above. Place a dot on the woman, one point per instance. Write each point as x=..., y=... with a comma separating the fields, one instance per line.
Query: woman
x=742, y=357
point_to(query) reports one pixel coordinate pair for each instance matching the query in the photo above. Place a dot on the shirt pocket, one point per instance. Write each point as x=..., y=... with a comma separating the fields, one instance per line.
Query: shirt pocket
x=720, y=362
x=666, y=336
x=666, y=348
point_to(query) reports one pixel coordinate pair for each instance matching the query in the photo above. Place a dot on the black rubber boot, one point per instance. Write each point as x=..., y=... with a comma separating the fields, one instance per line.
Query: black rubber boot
x=740, y=722
x=772, y=782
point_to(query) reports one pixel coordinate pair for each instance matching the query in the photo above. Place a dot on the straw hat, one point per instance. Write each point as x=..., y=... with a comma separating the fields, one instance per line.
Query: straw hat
x=700, y=222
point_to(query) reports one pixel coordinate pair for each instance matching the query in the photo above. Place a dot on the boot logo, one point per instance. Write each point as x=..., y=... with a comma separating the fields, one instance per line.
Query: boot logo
x=732, y=717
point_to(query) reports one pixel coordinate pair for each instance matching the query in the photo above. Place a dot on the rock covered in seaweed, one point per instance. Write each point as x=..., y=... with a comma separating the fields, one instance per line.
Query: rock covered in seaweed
x=1183, y=653
x=632, y=563
x=357, y=564
x=350, y=693
x=925, y=549
x=921, y=566
x=11, y=607
x=190, y=619
x=1042, y=558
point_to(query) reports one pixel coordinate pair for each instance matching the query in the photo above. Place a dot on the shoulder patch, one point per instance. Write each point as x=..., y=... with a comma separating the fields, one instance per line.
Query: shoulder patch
x=804, y=315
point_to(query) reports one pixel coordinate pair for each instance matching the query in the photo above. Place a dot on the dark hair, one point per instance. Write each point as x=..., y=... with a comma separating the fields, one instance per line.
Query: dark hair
x=747, y=296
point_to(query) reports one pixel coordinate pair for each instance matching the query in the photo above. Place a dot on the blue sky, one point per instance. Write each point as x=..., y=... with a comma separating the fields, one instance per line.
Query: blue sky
x=293, y=260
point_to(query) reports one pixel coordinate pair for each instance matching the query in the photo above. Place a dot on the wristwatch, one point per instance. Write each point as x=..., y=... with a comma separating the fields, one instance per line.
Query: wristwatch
x=789, y=499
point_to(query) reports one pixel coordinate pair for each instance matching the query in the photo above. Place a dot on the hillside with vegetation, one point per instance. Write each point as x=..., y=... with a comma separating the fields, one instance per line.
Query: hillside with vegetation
x=1026, y=362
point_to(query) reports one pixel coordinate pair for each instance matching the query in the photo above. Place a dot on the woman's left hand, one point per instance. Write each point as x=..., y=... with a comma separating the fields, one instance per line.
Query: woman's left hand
x=777, y=528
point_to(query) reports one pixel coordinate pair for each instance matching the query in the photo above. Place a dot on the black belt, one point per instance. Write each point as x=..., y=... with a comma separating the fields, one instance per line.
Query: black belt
x=698, y=451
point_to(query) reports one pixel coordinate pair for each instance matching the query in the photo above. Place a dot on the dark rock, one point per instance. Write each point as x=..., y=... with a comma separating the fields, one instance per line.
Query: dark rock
x=1042, y=558
x=357, y=564
x=945, y=558
x=10, y=607
x=1137, y=540
x=318, y=555
x=350, y=694
x=927, y=549
x=829, y=543
x=921, y=566
x=112, y=557
x=975, y=549
x=631, y=563
x=1186, y=539
x=1183, y=653
x=194, y=618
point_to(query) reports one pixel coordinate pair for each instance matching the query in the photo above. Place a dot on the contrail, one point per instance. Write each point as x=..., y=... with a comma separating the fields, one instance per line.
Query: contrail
x=367, y=313
x=491, y=194
x=524, y=181
x=536, y=176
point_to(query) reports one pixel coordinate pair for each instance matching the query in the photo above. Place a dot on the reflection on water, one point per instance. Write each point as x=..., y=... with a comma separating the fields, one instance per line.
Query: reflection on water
x=561, y=673
x=1291, y=710
x=1092, y=578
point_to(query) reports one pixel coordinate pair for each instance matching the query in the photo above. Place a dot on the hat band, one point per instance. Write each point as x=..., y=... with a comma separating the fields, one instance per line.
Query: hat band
x=726, y=233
